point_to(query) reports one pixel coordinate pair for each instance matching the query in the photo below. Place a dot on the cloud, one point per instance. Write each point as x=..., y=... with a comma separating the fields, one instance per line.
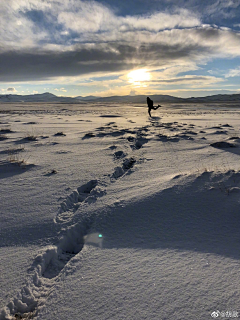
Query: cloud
x=100, y=82
x=20, y=66
x=233, y=73
x=161, y=20
x=11, y=89
x=61, y=89
x=164, y=49
x=223, y=8
x=181, y=92
x=160, y=85
x=190, y=80
x=31, y=23
x=43, y=40
x=132, y=92
x=211, y=10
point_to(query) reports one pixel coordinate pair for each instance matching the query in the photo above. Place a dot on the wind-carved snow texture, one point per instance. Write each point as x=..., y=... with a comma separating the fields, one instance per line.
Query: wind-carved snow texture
x=169, y=132
x=227, y=182
x=47, y=267
x=109, y=130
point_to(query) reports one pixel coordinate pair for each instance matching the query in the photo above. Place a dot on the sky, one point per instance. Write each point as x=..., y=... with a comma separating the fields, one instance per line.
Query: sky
x=182, y=48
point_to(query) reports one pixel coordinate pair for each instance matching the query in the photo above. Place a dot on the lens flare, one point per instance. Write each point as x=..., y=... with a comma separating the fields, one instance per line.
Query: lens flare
x=94, y=239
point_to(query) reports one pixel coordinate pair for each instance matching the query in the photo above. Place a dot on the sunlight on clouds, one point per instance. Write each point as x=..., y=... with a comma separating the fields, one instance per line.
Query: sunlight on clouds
x=61, y=89
x=161, y=20
x=66, y=43
x=233, y=73
x=79, y=17
x=137, y=77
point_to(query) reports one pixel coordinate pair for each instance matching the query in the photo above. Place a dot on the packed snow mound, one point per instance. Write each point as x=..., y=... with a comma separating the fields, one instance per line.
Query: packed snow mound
x=191, y=214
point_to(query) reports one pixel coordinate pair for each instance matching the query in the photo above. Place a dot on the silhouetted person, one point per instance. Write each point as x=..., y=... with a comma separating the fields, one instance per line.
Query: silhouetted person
x=150, y=106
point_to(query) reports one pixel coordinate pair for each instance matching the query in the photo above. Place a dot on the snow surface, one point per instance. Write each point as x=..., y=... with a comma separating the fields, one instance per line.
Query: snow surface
x=109, y=214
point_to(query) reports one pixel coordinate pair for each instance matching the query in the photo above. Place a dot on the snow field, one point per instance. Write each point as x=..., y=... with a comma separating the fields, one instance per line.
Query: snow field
x=132, y=218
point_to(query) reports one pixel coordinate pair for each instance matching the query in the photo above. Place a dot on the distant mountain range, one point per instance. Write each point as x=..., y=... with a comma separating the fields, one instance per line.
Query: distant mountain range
x=51, y=98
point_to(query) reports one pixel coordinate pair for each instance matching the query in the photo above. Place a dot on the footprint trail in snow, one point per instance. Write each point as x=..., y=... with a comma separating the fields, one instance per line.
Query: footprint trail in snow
x=47, y=267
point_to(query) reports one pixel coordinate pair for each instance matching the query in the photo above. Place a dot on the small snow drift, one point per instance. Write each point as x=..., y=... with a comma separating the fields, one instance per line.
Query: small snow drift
x=166, y=138
x=222, y=145
x=110, y=116
x=220, y=132
x=3, y=137
x=15, y=167
x=88, y=135
x=192, y=215
x=29, y=138
x=4, y=131
x=60, y=134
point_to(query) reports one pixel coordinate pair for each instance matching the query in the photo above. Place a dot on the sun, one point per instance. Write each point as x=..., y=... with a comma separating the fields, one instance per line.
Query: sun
x=138, y=77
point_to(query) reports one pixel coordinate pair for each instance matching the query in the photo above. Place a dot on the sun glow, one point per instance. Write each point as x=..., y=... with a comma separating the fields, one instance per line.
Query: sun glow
x=138, y=77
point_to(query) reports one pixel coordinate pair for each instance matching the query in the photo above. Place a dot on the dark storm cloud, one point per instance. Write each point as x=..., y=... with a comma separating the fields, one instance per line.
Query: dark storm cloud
x=21, y=66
